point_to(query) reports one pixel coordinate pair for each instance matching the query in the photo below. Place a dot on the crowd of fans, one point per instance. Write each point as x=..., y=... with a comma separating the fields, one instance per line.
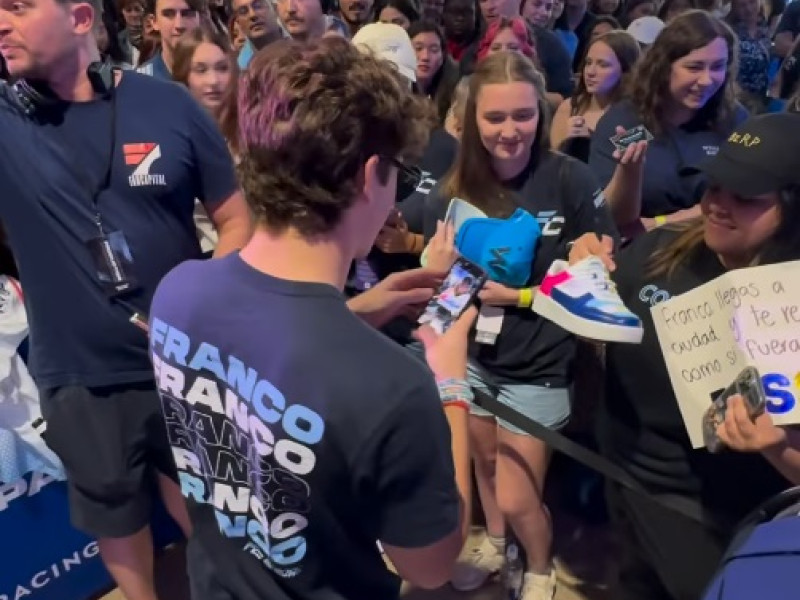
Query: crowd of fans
x=320, y=106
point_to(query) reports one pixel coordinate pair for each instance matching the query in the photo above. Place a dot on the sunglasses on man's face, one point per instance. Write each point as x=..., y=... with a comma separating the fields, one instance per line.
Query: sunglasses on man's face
x=408, y=178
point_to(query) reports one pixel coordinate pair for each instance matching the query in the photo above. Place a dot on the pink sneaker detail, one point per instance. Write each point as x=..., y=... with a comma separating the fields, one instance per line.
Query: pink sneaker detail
x=551, y=281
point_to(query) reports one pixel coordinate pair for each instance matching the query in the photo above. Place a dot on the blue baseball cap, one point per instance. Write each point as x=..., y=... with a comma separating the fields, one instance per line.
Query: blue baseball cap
x=504, y=248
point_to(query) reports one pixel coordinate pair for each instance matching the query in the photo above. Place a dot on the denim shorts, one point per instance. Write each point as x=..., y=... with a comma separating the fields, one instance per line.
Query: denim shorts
x=547, y=406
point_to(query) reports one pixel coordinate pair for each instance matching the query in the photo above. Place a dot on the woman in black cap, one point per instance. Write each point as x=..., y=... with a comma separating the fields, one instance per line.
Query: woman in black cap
x=749, y=217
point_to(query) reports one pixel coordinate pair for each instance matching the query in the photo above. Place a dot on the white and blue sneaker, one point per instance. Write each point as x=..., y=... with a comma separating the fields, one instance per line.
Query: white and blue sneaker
x=582, y=299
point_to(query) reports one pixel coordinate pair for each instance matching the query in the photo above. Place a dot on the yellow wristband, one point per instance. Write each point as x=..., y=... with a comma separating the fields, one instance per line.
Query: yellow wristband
x=525, y=298
x=660, y=220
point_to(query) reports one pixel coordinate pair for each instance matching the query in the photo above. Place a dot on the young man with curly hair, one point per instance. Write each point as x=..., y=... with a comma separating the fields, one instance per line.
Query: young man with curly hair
x=302, y=435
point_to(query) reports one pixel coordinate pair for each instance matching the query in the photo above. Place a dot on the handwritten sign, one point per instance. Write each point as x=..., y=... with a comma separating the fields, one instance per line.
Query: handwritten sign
x=747, y=317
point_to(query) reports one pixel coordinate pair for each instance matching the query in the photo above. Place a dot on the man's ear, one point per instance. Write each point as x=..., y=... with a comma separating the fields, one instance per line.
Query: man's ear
x=83, y=17
x=370, y=180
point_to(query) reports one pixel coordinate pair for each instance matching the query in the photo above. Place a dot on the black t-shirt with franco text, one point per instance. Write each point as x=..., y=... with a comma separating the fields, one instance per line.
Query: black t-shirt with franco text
x=300, y=434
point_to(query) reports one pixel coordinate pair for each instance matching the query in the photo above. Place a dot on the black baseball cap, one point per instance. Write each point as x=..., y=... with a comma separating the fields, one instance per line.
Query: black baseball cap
x=762, y=155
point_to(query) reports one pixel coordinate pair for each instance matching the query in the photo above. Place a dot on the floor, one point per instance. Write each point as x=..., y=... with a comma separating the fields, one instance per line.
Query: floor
x=584, y=561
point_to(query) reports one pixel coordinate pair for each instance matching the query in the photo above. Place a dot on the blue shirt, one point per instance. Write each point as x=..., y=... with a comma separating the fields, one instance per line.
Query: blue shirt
x=664, y=189
x=156, y=67
x=245, y=55
x=555, y=58
x=162, y=160
x=301, y=434
x=570, y=41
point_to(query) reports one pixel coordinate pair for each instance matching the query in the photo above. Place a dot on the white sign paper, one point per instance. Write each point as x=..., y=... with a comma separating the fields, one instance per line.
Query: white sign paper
x=747, y=317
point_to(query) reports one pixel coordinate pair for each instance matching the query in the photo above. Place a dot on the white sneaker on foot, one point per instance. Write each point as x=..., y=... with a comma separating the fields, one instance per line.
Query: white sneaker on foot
x=472, y=570
x=539, y=587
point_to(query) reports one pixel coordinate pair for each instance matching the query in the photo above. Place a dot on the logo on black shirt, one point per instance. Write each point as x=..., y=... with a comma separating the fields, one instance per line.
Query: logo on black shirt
x=550, y=222
x=650, y=294
x=142, y=156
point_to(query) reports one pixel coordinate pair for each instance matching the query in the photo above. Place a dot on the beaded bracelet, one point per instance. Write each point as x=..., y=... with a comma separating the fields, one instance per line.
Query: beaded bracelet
x=454, y=390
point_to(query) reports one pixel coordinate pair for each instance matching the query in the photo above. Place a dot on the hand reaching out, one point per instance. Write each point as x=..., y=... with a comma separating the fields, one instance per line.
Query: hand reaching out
x=394, y=236
x=577, y=127
x=589, y=244
x=442, y=253
x=497, y=294
x=633, y=156
x=741, y=432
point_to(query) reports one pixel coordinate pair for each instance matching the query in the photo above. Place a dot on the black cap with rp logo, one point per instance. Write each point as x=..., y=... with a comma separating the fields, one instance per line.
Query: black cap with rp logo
x=762, y=155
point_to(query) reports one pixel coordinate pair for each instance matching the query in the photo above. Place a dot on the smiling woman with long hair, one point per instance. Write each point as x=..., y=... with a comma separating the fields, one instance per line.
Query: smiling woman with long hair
x=684, y=94
x=749, y=216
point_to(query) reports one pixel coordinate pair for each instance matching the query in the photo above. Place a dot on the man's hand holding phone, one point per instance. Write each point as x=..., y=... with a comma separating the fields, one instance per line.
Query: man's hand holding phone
x=446, y=354
x=458, y=291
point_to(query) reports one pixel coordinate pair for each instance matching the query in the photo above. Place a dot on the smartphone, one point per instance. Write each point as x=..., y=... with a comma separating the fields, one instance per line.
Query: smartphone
x=458, y=290
x=635, y=134
x=750, y=387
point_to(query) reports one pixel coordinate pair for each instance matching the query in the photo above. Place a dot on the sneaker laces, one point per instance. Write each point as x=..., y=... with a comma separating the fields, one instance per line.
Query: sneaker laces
x=599, y=279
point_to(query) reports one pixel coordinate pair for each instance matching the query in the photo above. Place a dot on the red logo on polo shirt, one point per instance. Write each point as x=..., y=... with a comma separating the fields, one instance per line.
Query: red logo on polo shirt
x=142, y=156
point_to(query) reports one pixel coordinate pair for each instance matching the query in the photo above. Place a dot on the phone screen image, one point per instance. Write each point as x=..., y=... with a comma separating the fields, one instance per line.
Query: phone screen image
x=462, y=283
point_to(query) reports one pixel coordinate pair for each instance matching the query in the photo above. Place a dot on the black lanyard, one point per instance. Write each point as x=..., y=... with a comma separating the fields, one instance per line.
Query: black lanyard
x=105, y=183
x=80, y=170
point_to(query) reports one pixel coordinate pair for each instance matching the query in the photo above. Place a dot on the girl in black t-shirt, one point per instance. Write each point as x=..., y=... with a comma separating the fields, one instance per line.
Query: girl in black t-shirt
x=504, y=164
x=749, y=217
x=603, y=75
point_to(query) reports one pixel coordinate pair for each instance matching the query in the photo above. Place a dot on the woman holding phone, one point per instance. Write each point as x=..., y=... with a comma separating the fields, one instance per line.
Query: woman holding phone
x=748, y=217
